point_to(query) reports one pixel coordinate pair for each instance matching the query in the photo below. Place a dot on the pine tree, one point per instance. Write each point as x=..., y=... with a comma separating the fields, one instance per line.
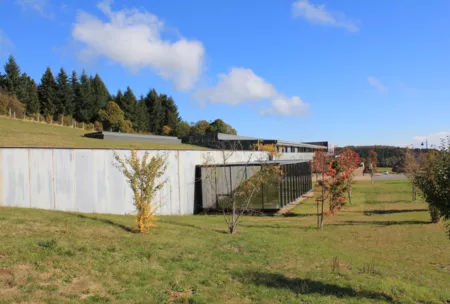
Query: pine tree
x=77, y=100
x=171, y=115
x=47, y=93
x=118, y=98
x=12, y=80
x=129, y=105
x=32, y=102
x=101, y=94
x=156, y=112
x=142, y=119
x=85, y=104
x=64, y=94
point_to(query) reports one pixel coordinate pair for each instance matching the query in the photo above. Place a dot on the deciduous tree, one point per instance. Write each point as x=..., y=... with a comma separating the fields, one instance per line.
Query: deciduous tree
x=145, y=179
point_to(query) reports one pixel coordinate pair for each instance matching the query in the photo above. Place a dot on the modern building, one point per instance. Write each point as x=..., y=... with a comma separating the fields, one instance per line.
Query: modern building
x=237, y=142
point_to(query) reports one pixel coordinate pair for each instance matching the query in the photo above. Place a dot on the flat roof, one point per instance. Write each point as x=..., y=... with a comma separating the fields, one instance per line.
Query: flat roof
x=222, y=136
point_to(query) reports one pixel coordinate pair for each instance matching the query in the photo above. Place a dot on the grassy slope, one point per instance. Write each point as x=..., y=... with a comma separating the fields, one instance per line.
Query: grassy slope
x=17, y=133
x=384, y=244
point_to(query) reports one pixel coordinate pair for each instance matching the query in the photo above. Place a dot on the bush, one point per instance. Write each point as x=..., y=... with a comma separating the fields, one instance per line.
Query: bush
x=98, y=126
x=88, y=126
x=8, y=102
x=68, y=120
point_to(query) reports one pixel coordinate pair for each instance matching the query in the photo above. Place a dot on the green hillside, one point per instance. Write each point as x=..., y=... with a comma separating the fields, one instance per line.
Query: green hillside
x=18, y=133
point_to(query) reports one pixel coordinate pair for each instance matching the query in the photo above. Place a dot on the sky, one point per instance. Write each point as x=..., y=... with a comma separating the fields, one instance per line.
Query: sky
x=344, y=71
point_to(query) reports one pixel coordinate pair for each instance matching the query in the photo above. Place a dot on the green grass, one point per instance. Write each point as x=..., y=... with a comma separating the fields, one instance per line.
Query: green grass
x=18, y=133
x=381, y=249
x=382, y=169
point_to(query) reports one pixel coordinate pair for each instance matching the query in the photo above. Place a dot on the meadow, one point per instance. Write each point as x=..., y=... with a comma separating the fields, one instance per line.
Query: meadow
x=382, y=249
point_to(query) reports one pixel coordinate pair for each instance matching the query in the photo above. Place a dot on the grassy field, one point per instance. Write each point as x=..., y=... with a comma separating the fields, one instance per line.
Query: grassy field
x=18, y=133
x=381, y=249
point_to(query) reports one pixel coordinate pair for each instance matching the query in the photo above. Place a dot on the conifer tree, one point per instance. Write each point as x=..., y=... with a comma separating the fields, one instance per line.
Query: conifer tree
x=77, y=101
x=171, y=115
x=156, y=112
x=47, y=93
x=101, y=94
x=12, y=80
x=64, y=94
x=142, y=119
x=118, y=98
x=129, y=105
x=32, y=102
x=85, y=104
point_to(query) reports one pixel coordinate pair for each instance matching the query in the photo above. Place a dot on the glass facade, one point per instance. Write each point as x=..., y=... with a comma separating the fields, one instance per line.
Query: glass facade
x=296, y=180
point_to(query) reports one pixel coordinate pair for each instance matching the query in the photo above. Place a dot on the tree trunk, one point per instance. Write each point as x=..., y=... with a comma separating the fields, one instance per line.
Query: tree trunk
x=371, y=178
x=413, y=192
x=349, y=191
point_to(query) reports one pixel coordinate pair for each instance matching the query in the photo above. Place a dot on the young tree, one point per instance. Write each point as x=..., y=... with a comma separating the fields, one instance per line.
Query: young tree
x=47, y=93
x=433, y=180
x=64, y=104
x=349, y=162
x=412, y=168
x=144, y=177
x=320, y=166
x=371, y=163
x=246, y=185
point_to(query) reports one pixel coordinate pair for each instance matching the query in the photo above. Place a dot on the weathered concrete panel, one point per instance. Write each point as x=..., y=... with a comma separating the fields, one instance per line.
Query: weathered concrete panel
x=14, y=171
x=64, y=168
x=41, y=178
x=86, y=180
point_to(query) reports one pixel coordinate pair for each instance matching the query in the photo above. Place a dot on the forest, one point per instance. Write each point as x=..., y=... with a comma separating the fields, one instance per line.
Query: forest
x=86, y=99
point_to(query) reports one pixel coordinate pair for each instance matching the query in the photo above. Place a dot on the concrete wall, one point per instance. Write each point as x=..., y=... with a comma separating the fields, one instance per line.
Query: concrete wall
x=86, y=180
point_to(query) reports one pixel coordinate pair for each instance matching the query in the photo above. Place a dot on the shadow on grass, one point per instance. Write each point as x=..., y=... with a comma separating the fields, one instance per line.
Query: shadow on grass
x=307, y=228
x=299, y=214
x=379, y=223
x=105, y=221
x=193, y=226
x=308, y=286
x=370, y=212
x=375, y=202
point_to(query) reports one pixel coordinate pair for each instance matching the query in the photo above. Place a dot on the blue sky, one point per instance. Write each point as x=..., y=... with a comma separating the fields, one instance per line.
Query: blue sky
x=351, y=72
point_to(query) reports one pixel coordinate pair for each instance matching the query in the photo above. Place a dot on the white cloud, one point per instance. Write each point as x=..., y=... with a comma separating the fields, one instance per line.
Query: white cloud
x=39, y=6
x=434, y=139
x=6, y=46
x=242, y=85
x=132, y=38
x=376, y=84
x=284, y=106
x=318, y=14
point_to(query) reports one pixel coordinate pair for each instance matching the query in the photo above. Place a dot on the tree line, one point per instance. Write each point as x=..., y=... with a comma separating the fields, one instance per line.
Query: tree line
x=387, y=156
x=86, y=99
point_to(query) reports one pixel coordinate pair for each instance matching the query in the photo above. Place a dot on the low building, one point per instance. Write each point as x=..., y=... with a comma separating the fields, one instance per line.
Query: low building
x=236, y=142
x=117, y=136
